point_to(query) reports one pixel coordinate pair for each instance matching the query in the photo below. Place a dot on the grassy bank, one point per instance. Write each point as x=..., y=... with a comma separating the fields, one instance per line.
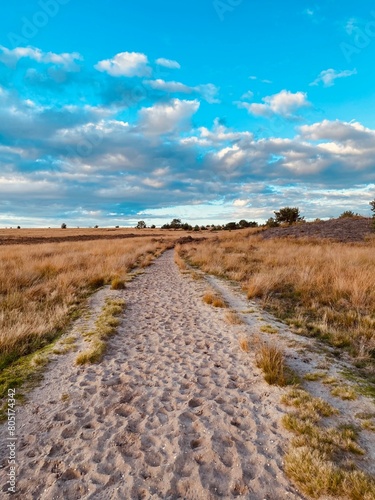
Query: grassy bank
x=322, y=288
x=43, y=286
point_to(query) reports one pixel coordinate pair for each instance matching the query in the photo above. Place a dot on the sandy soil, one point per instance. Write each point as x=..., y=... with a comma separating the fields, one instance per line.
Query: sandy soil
x=175, y=410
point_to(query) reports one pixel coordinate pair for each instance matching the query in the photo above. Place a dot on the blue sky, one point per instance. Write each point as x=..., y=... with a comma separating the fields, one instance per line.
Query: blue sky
x=211, y=110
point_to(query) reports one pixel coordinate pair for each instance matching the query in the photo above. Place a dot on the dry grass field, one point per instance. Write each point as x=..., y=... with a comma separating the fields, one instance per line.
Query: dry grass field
x=51, y=235
x=42, y=285
x=323, y=288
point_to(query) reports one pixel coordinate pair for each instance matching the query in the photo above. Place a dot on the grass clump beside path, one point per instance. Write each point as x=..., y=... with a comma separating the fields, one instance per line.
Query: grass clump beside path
x=319, y=459
x=270, y=358
x=105, y=326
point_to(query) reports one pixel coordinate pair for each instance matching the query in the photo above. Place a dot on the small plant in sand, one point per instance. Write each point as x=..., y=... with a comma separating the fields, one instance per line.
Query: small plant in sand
x=344, y=392
x=117, y=283
x=244, y=345
x=233, y=319
x=213, y=300
x=270, y=359
x=268, y=329
x=314, y=376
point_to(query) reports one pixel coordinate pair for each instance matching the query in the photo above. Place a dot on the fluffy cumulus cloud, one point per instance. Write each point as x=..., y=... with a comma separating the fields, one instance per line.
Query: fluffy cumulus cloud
x=168, y=63
x=328, y=76
x=285, y=104
x=68, y=61
x=126, y=64
x=167, y=117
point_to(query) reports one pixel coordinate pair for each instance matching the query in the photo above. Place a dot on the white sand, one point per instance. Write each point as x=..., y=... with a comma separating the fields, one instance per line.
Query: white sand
x=174, y=411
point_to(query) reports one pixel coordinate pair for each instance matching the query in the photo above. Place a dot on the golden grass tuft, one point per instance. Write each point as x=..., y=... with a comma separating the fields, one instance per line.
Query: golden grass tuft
x=344, y=392
x=178, y=259
x=117, y=284
x=212, y=299
x=314, y=376
x=268, y=329
x=233, y=319
x=244, y=345
x=270, y=359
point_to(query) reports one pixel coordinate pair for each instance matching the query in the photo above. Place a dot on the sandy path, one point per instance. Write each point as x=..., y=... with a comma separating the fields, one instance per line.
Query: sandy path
x=175, y=410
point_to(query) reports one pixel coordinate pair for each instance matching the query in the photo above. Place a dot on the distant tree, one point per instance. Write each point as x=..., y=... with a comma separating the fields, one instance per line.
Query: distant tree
x=141, y=225
x=96, y=227
x=166, y=226
x=271, y=222
x=203, y=228
x=117, y=227
x=18, y=227
x=187, y=227
x=289, y=215
x=196, y=228
x=153, y=226
x=175, y=224
x=231, y=226
x=243, y=223
x=348, y=213
x=63, y=225
x=372, y=204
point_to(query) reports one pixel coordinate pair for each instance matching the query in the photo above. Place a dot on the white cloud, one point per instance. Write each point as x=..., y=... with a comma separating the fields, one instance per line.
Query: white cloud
x=125, y=64
x=207, y=91
x=169, y=86
x=10, y=57
x=154, y=183
x=338, y=131
x=241, y=203
x=285, y=103
x=328, y=76
x=168, y=63
x=167, y=117
x=248, y=95
x=218, y=135
x=253, y=77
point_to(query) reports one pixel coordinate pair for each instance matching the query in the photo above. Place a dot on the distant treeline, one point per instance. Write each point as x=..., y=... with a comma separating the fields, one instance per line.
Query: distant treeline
x=230, y=226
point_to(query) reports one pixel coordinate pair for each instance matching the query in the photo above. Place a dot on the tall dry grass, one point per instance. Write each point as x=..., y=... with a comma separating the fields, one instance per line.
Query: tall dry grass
x=41, y=286
x=323, y=288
